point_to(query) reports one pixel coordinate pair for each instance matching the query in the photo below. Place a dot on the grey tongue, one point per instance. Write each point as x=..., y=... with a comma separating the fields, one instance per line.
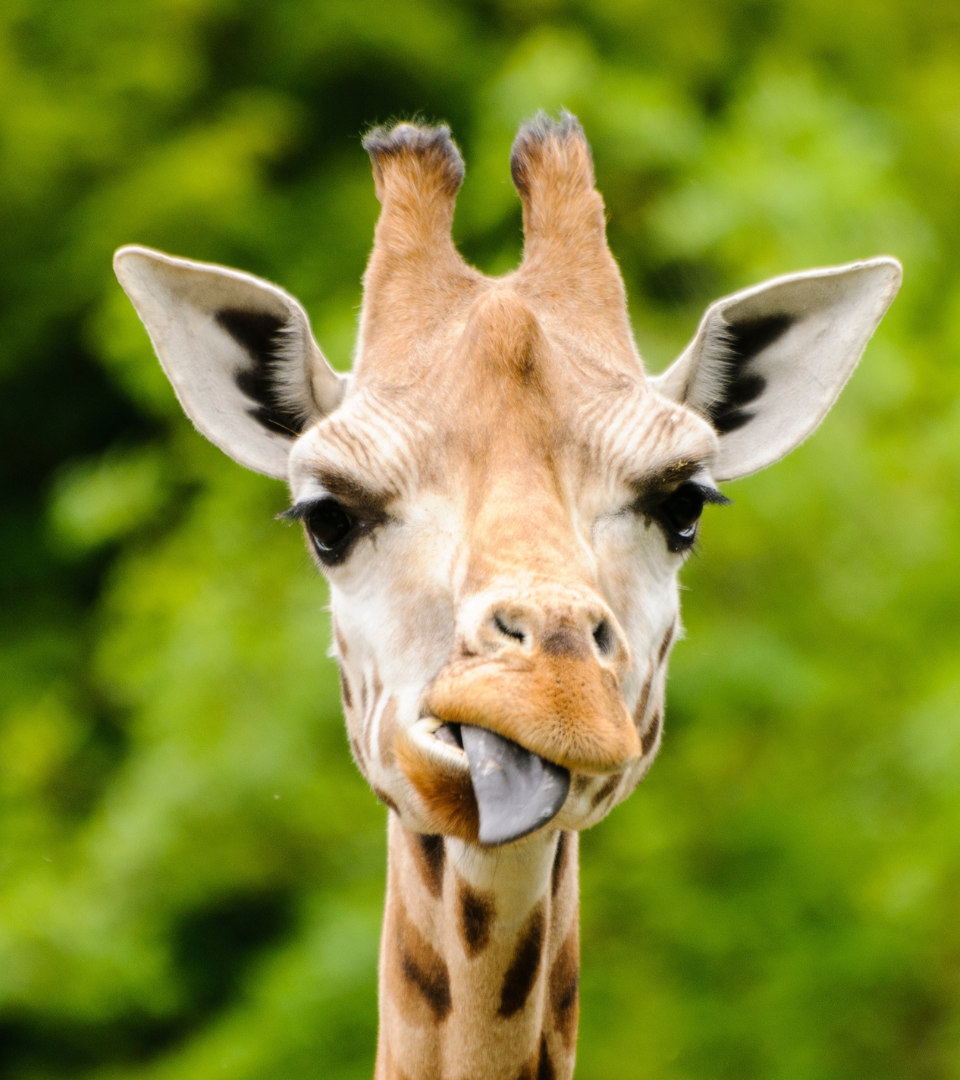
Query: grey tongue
x=516, y=790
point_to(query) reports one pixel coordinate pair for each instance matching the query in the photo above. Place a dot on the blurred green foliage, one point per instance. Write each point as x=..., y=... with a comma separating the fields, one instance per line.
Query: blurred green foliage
x=191, y=870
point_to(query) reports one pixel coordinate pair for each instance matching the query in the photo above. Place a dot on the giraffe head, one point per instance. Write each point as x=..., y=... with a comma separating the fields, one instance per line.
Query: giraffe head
x=500, y=498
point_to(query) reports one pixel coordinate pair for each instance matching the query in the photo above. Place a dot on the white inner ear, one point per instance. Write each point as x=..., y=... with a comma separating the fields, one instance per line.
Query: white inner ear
x=237, y=350
x=767, y=363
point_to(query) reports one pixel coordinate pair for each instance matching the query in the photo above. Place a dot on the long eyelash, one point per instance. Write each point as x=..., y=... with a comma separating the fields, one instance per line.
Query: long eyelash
x=711, y=495
x=300, y=510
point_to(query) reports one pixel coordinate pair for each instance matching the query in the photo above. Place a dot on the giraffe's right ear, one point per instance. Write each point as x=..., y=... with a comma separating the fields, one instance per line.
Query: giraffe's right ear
x=238, y=351
x=767, y=363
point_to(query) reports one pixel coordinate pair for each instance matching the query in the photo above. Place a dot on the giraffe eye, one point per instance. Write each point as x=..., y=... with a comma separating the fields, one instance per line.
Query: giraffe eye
x=679, y=514
x=331, y=528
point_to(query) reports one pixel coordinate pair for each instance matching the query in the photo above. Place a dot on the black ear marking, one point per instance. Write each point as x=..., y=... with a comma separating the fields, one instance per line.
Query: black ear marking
x=743, y=342
x=260, y=334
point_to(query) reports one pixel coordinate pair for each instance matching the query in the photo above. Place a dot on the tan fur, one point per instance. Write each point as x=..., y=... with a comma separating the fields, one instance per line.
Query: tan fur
x=417, y=175
x=565, y=709
x=509, y=559
x=444, y=349
x=567, y=263
x=447, y=795
x=461, y=1003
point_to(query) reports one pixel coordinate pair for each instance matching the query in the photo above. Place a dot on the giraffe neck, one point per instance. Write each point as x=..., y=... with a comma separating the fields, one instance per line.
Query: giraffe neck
x=479, y=959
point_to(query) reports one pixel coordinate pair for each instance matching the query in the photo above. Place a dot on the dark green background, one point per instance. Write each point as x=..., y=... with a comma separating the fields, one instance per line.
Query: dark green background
x=191, y=870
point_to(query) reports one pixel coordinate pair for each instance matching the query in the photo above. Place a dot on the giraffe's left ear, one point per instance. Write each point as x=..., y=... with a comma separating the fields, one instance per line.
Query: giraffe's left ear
x=767, y=363
x=238, y=351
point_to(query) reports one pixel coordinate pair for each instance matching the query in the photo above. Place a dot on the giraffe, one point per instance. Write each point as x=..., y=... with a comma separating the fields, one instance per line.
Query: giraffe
x=501, y=500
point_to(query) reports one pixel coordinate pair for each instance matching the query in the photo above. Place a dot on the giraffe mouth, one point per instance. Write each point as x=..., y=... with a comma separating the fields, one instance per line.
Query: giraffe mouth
x=517, y=791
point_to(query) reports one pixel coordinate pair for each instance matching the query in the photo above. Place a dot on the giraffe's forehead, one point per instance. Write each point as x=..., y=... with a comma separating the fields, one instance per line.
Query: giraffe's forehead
x=587, y=427
x=622, y=435
x=505, y=384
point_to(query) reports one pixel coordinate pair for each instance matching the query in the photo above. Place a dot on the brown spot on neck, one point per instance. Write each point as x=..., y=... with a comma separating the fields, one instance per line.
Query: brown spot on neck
x=477, y=913
x=559, y=862
x=525, y=965
x=421, y=968
x=667, y=642
x=564, y=985
x=545, y=1065
x=540, y=1067
x=430, y=855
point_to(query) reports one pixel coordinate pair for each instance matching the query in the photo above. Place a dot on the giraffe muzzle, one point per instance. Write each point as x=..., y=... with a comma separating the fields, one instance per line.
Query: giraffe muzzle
x=568, y=711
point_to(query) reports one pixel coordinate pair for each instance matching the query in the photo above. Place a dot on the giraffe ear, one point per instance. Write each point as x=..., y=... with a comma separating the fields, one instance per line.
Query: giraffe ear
x=767, y=363
x=238, y=351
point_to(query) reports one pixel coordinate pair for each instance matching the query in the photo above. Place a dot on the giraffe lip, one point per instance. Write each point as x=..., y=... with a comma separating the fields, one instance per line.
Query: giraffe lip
x=449, y=733
x=517, y=791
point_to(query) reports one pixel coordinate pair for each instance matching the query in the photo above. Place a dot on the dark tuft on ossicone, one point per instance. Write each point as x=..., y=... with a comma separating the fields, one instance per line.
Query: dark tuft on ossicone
x=434, y=146
x=532, y=136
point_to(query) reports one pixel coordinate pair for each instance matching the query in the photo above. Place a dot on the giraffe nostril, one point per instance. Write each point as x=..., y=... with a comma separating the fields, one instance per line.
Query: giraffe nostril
x=508, y=631
x=603, y=637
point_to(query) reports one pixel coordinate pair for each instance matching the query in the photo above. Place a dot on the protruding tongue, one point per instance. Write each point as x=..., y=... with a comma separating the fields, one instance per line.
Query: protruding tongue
x=516, y=790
